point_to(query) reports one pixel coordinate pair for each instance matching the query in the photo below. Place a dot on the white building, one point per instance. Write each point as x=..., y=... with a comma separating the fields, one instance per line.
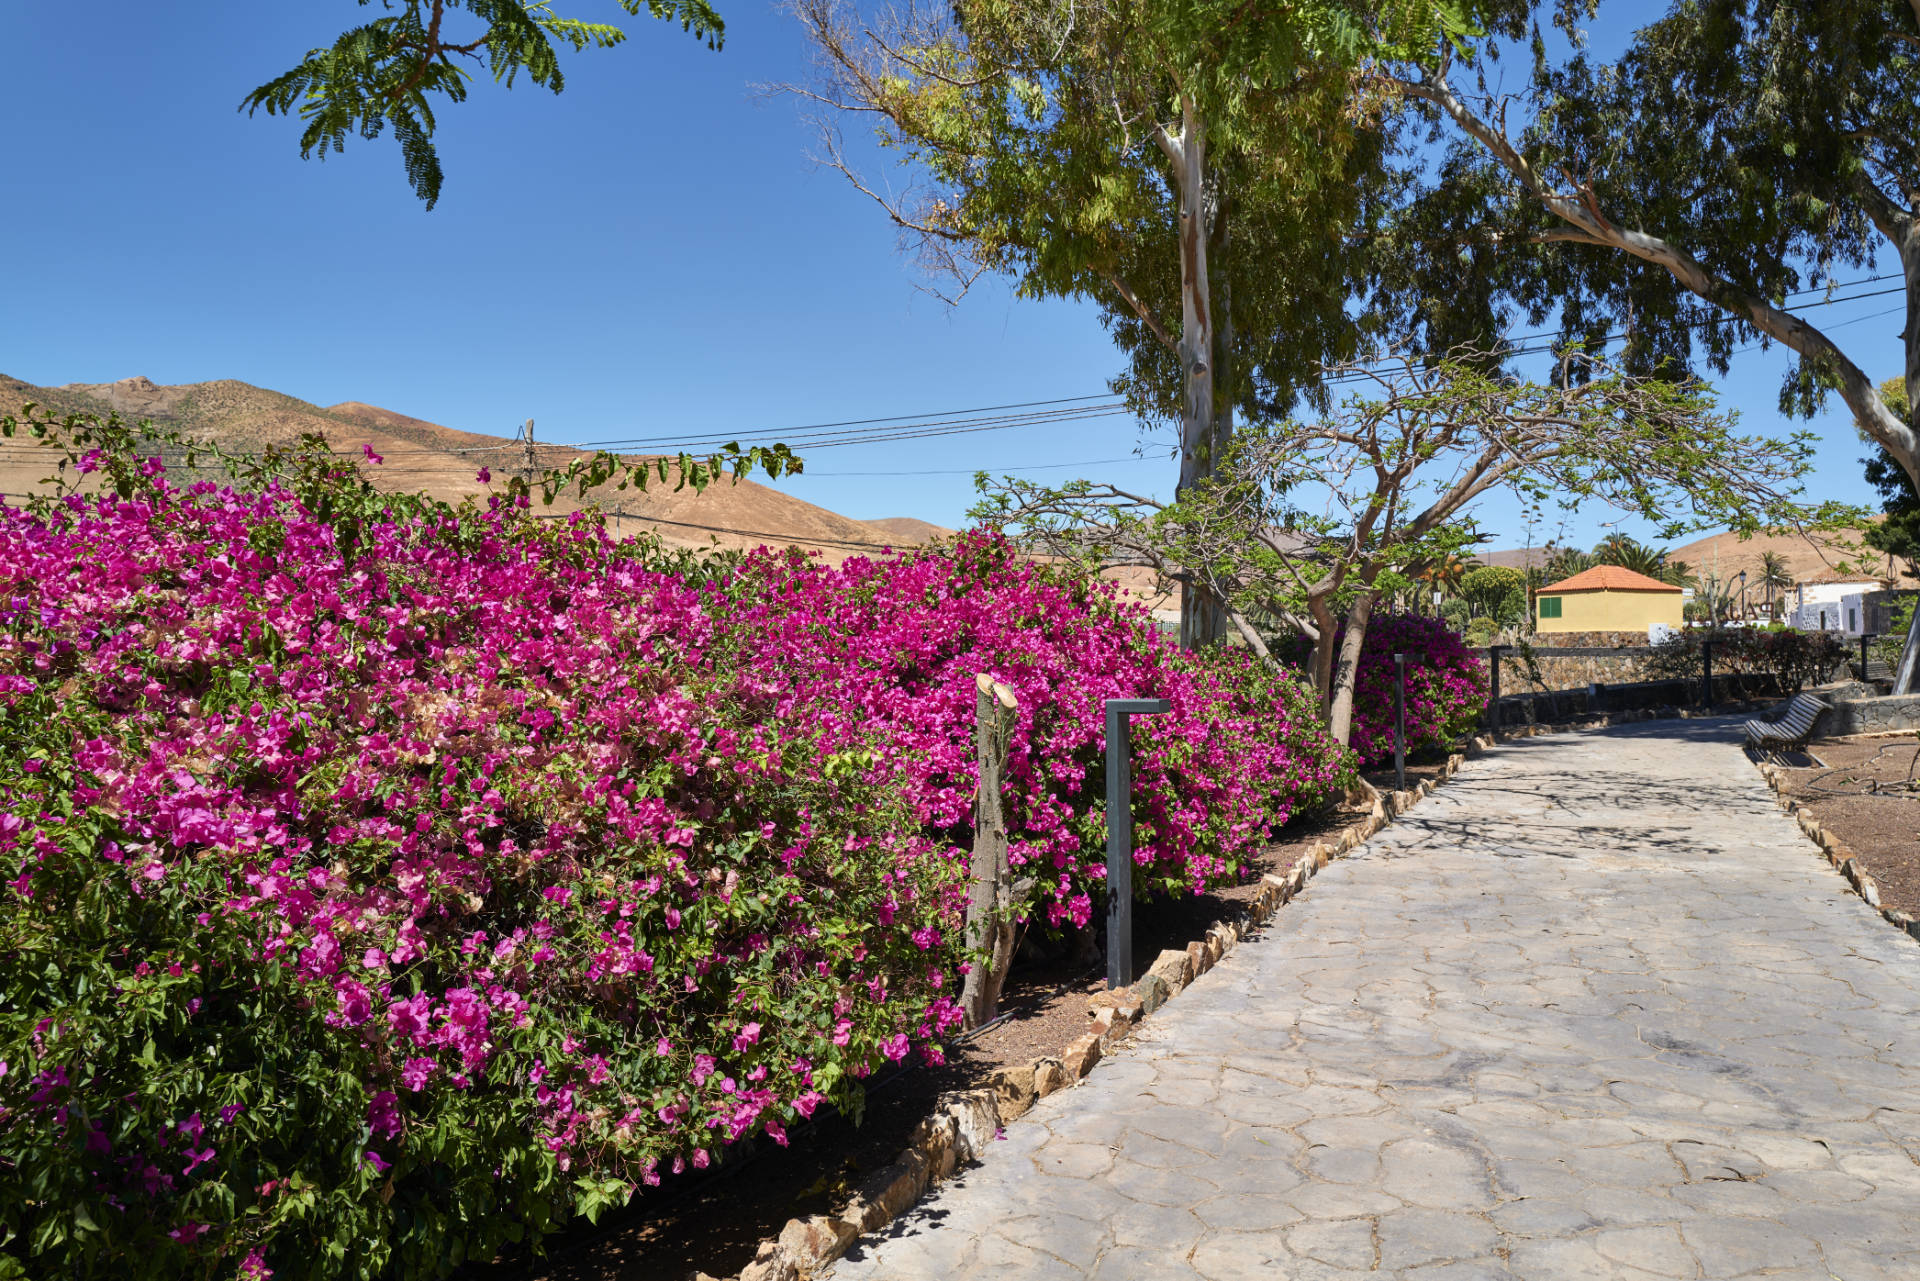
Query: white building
x=1831, y=602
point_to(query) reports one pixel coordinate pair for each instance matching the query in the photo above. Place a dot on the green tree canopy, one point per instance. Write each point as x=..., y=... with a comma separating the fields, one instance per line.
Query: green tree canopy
x=1740, y=158
x=1487, y=587
x=386, y=72
x=1731, y=170
x=1184, y=166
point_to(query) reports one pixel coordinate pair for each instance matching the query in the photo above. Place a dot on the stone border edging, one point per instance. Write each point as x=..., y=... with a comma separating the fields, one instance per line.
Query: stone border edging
x=965, y=1123
x=1834, y=849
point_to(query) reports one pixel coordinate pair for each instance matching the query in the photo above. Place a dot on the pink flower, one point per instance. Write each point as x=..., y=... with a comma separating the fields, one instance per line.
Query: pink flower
x=417, y=1073
x=408, y=1018
x=485, y=476
x=895, y=1046
x=371, y=457
x=383, y=1114
x=746, y=1037
x=356, y=1002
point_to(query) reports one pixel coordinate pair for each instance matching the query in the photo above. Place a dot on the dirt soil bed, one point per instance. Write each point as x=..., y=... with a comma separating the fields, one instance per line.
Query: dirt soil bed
x=1864, y=792
x=715, y=1225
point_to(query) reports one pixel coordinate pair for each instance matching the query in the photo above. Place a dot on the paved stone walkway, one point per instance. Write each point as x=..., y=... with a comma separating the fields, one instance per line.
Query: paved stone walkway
x=1593, y=1010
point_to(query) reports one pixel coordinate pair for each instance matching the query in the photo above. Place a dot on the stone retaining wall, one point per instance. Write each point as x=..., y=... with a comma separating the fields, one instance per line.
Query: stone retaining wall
x=1871, y=715
x=1574, y=660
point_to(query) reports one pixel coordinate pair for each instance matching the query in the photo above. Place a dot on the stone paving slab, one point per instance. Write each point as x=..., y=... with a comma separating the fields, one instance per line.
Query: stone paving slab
x=1595, y=1010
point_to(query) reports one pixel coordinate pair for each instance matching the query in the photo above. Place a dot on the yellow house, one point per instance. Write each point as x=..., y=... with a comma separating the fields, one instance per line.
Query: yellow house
x=1607, y=598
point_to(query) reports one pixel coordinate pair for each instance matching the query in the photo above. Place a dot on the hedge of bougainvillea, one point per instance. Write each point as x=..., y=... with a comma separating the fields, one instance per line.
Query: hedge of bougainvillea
x=1446, y=685
x=892, y=646
x=375, y=897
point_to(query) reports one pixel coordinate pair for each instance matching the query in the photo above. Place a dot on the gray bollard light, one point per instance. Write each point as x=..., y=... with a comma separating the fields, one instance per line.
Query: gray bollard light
x=1493, y=700
x=1400, y=722
x=1120, y=833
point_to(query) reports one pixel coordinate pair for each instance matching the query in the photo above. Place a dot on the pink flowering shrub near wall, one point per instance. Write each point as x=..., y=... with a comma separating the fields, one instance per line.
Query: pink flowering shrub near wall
x=368, y=908
x=1446, y=685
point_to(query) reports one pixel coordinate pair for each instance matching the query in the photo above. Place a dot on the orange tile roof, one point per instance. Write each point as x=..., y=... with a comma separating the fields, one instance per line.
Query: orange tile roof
x=1610, y=578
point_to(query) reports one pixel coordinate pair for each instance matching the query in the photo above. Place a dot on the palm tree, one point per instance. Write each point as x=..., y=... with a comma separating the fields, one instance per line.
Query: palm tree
x=1775, y=575
x=1564, y=562
x=1618, y=549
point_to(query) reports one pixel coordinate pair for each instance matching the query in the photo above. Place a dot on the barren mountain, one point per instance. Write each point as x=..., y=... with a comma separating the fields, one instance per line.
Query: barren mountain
x=443, y=461
x=908, y=531
x=1726, y=554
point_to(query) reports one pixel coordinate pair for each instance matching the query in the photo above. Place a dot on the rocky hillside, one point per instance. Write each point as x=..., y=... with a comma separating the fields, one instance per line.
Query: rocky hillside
x=444, y=461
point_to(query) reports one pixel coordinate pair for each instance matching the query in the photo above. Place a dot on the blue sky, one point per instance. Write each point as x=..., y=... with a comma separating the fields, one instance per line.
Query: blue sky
x=650, y=253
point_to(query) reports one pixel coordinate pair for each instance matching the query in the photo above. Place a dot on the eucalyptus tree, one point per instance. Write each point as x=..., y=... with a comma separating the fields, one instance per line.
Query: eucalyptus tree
x=387, y=71
x=1309, y=520
x=1184, y=166
x=1739, y=155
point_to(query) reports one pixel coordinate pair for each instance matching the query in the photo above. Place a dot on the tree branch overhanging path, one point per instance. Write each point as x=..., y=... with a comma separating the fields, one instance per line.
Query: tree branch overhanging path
x=1310, y=521
x=1738, y=149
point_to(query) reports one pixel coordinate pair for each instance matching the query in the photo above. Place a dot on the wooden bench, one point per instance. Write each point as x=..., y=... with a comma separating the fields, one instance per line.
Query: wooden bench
x=1791, y=730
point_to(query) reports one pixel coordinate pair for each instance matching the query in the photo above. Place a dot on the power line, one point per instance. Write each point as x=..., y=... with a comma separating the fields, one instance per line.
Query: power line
x=931, y=413
x=972, y=471
x=1611, y=335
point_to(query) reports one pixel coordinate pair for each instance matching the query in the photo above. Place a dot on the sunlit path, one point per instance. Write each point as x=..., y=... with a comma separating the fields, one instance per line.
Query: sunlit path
x=1594, y=1010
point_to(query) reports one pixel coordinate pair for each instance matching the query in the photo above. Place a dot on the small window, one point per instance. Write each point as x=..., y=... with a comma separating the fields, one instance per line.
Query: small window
x=1549, y=607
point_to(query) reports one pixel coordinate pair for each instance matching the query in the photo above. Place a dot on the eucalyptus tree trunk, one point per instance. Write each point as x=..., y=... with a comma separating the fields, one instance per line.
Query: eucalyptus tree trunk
x=1905, y=675
x=1202, y=620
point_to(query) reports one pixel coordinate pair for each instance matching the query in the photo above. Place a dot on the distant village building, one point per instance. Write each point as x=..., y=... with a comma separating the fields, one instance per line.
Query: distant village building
x=1607, y=598
x=1832, y=602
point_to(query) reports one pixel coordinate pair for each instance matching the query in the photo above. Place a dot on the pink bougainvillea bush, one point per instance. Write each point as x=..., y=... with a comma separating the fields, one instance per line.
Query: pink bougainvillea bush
x=1446, y=685
x=892, y=647
x=383, y=887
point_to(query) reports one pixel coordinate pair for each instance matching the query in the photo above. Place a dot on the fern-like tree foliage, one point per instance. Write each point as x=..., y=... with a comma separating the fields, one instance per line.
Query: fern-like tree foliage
x=1694, y=195
x=386, y=72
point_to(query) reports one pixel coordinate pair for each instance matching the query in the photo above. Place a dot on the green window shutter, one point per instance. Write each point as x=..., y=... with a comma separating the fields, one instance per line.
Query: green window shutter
x=1549, y=607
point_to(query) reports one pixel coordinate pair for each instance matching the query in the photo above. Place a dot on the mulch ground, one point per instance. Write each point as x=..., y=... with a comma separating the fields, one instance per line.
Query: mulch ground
x=1865, y=792
x=714, y=1225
